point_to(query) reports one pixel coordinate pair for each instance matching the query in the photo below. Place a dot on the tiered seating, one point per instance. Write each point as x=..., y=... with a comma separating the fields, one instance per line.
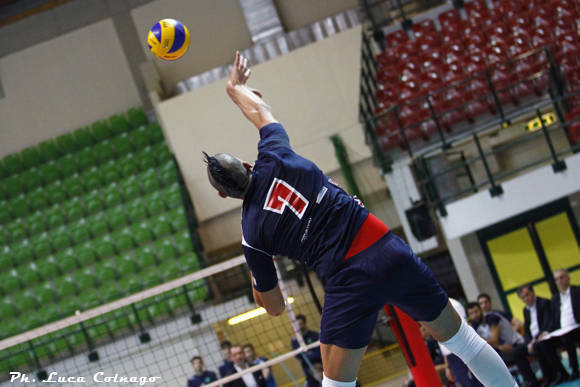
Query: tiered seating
x=92, y=216
x=448, y=63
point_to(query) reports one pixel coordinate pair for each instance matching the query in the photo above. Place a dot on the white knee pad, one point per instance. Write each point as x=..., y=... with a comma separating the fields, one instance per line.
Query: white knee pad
x=466, y=343
x=326, y=382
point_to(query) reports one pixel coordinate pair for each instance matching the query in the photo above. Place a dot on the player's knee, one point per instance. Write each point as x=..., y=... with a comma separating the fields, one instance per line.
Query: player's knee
x=327, y=382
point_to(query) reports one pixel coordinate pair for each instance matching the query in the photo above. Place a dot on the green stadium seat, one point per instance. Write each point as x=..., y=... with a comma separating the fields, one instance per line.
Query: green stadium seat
x=104, y=246
x=105, y=272
x=3, y=194
x=141, y=233
x=16, y=230
x=19, y=206
x=130, y=284
x=31, y=179
x=54, y=216
x=83, y=137
x=79, y=231
x=164, y=249
x=110, y=292
x=29, y=321
x=122, y=145
x=24, y=301
x=130, y=188
x=144, y=257
x=155, y=203
x=155, y=132
x=177, y=218
x=136, y=117
x=5, y=215
x=198, y=290
x=168, y=176
x=101, y=130
x=177, y=300
x=172, y=195
x=44, y=293
x=48, y=267
x=12, y=164
x=29, y=274
x=91, y=179
x=189, y=262
x=116, y=217
x=169, y=270
x=85, y=254
x=98, y=224
x=30, y=157
x=47, y=150
x=111, y=195
x=35, y=223
x=73, y=209
x=73, y=186
x=128, y=165
x=67, y=165
x=160, y=225
x=146, y=158
x=49, y=172
x=55, y=193
x=10, y=282
x=66, y=143
x=13, y=186
x=142, y=312
x=162, y=153
x=123, y=239
x=7, y=309
x=66, y=260
x=4, y=239
x=158, y=308
x=149, y=181
x=92, y=202
x=140, y=137
x=104, y=151
x=6, y=260
x=48, y=314
x=84, y=279
x=86, y=159
x=38, y=199
x=109, y=172
x=150, y=277
x=183, y=242
x=89, y=299
x=3, y=171
x=125, y=265
x=56, y=343
x=136, y=210
x=60, y=238
x=41, y=245
x=68, y=306
x=22, y=252
x=118, y=124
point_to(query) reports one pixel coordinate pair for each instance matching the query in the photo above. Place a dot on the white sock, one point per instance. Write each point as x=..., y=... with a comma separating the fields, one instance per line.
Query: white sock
x=326, y=382
x=480, y=357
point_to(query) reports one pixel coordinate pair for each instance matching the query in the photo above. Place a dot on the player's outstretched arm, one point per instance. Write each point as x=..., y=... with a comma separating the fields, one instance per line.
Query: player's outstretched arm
x=248, y=100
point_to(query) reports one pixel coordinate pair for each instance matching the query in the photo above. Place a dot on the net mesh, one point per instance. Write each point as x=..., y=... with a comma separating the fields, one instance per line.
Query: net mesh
x=150, y=337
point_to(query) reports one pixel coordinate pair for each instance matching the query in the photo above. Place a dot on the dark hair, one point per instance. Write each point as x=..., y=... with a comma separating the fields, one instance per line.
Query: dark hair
x=248, y=346
x=301, y=317
x=484, y=295
x=471, y=305
x=227, y=174
x=195, y=358
x=524, y=287
x=225, y=343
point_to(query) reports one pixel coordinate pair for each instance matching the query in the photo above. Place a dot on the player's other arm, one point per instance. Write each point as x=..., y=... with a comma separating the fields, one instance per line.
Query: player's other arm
x=271, y=300
x=248, y=100
x=265, y=288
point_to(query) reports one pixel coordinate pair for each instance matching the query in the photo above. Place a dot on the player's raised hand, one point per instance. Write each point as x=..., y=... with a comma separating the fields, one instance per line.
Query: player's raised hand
x=240, y=71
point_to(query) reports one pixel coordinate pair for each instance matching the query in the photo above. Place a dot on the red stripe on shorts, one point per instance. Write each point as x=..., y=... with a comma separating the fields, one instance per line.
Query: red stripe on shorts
x=370, y=232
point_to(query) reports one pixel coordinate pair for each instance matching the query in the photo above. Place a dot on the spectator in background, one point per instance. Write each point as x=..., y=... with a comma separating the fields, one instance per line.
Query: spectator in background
x=237, y=365
x=500, y=334
x=312, y=355
x=200, y=377
x=566, y=315
x=252, y=360
x=537, y=324
x=225, y=347
x=484, y=302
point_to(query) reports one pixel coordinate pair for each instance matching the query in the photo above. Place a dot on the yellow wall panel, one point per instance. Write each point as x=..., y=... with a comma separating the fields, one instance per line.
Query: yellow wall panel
x=558, y=241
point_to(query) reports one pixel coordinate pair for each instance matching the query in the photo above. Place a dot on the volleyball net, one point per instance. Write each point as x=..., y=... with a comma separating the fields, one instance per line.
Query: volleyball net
x=151, y=337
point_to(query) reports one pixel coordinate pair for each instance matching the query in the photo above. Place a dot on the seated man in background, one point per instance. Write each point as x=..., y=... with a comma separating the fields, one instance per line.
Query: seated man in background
x=201, y=376
x=252, y=360
x=225, y=347
x=566, y=315
x=537, y=324
x=484, y=302
x=238, y=364
x=500, y=334
x=312, y=355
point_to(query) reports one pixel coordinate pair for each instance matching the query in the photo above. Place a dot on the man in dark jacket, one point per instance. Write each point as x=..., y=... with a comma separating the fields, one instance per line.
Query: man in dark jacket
x=537, y=323
x=566, y=315
x=239, y=364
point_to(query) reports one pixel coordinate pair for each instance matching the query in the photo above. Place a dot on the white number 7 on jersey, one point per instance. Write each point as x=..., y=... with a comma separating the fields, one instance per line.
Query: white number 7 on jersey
x=282, y=195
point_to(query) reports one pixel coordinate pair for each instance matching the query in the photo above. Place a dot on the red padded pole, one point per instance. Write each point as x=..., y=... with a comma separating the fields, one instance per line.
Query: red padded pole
x=414, y=348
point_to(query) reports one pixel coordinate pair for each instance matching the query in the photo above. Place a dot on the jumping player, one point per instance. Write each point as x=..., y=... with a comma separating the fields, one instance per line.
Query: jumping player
x=291, y=208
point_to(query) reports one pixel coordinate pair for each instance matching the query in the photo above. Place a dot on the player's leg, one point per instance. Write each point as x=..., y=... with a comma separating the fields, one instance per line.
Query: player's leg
x=340, y=364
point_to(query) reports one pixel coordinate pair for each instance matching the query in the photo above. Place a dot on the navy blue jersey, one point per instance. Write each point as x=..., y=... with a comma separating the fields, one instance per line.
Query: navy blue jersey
x=292, y=209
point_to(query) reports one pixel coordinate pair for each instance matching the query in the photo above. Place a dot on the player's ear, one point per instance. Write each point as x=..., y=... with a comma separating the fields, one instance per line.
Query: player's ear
x=222, y=195
x=247, y=165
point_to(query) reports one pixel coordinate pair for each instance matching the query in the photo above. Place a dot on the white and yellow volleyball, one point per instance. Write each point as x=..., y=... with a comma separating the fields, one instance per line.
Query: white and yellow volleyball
x=168, y=39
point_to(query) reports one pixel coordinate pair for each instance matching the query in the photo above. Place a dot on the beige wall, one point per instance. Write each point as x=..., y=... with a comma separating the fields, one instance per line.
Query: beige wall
x=296, y=14
x=62, y=84
x=217, y=29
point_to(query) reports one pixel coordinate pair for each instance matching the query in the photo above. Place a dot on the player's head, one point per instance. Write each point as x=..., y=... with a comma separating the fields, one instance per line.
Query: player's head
x=197, y=364
x=228, y=174
x=562, y=279
x=485, y=302
x=474, y=312
x=526, y=293
x=249, y=352
x=301, y=320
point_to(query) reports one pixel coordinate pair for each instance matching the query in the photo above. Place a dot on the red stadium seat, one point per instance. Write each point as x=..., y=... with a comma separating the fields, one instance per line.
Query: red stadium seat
x=452, y=72
x=428, y=41
x=425, y=27
x=510, y=8
x=406, y=51
x=518, y=45
x=387, y=58
x=431, y=81
x=453, y=51
x=397, y=38
x=496, y=54
x=475, y=42
x=492, y=17
x=387, y=94
x=390, y=142
x=447, y=18
x=475, y=63
x=502, y=79
x=431, y=59
x=388, y=75
x=447, y=36
x=574, y=128
x=451, y=108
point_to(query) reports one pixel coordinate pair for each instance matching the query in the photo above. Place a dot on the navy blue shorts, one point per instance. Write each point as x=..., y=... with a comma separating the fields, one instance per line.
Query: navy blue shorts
x=387, y=272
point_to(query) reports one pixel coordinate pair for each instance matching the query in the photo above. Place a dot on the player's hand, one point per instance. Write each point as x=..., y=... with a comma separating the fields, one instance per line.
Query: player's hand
x=240, y=71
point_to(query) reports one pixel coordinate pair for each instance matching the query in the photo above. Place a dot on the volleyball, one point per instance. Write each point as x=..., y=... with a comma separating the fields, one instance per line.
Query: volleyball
x=168, y=39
